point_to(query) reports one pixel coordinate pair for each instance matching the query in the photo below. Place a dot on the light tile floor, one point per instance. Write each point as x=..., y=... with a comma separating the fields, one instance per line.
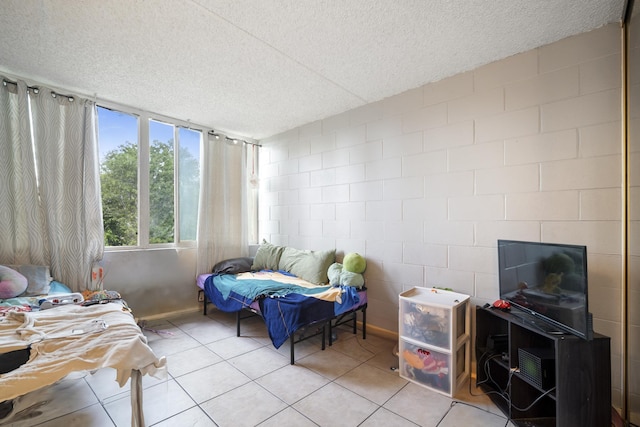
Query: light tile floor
x=217, y=379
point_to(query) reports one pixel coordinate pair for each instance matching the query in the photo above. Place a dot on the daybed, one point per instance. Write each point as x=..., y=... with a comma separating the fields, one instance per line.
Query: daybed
x=289, y=289
x=38, y=347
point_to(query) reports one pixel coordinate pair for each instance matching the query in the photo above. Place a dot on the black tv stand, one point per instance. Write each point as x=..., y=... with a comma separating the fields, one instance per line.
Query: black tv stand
x=535, y=321
x=577, y=391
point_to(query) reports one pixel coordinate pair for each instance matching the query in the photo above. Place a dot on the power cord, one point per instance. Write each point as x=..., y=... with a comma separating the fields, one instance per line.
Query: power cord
x=457, y=402
x=504, y=392
x=486, y=370
x=489, y=378
x=532, y=403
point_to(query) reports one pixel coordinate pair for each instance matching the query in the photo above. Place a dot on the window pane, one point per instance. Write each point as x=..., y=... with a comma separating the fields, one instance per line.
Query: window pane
x=189, y=181
x=161, y=189
x=118, y=147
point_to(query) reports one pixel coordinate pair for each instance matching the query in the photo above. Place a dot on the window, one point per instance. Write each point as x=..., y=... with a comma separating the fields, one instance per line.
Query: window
x=118, y=147
x=161, y=180
x=150, y=179
x=189, y=182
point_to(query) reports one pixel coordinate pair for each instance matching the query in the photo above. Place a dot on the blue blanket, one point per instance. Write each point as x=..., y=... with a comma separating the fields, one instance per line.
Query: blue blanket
x=233, y=302
x=285, y=315
x=226, y=283
x=284, y=311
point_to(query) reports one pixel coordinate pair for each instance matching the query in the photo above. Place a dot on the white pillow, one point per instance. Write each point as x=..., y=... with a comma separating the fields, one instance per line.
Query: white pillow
x=12, y=283
x=38, y=278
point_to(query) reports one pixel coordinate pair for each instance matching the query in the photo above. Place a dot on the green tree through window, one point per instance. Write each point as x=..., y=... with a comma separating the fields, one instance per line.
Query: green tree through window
x=161, y=192
x=121, y=186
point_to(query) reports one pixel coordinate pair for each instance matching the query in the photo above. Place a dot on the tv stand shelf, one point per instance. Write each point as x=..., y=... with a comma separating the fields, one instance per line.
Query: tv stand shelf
x=564, y=380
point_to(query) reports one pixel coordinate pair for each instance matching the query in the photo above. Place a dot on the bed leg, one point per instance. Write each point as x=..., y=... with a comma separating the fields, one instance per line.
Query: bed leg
x=204, y=303
x=355, y=318
x=324, y=335
x=364, y=322
x=137, y=413
x=330, y=333
x=293, y=358
x=238, y=323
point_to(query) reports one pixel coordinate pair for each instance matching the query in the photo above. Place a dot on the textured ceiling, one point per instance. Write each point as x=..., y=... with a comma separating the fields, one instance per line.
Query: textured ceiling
x=257, y=68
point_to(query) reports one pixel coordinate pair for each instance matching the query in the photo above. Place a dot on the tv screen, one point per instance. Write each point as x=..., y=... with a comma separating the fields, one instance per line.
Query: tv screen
x=547, y=280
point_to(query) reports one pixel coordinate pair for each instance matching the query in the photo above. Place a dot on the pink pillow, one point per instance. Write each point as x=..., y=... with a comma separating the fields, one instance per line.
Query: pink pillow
x=12, y=283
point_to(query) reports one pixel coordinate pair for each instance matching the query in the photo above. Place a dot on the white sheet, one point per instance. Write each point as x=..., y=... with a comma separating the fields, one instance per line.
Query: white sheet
x=70, y=338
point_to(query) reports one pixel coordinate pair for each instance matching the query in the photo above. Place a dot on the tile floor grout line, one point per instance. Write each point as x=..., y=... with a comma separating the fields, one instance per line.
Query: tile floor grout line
x=373, y=350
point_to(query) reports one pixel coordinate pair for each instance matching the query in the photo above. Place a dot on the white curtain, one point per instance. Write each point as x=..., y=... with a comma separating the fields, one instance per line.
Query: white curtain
x=22, y=232
x=222, y=218
x=62, y=168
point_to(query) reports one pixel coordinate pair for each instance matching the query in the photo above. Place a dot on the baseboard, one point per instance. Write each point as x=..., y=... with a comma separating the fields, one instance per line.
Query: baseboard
x=170, y=314
x=371, y=329
x=380, y=332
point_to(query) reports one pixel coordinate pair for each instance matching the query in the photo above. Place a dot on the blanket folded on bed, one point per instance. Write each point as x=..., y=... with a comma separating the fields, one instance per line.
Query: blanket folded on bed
x=272, y=283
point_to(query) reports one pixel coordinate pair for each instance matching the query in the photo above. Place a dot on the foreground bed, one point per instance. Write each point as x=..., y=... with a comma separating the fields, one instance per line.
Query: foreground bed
x=38, y=348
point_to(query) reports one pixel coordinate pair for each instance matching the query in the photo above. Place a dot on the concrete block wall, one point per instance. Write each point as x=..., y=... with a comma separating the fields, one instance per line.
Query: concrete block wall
x=425, y=182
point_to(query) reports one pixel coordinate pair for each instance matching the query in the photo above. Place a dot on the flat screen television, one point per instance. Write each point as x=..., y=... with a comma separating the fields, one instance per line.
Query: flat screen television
x=547, y=281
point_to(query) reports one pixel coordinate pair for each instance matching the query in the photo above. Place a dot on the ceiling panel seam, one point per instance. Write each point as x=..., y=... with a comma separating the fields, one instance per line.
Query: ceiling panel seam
x=274, y=48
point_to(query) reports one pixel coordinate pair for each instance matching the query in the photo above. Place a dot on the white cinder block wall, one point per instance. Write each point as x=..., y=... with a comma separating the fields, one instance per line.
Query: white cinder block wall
x=425, y=182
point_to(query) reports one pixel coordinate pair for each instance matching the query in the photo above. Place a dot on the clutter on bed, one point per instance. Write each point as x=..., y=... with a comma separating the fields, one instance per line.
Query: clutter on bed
x=290, y=289
x=23, y=287
x=38, y=278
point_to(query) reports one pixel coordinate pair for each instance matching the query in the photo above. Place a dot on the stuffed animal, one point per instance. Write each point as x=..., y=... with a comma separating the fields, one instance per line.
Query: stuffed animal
x=426, y=362
x=551, y=283
x=339, y=276
x=354, y=263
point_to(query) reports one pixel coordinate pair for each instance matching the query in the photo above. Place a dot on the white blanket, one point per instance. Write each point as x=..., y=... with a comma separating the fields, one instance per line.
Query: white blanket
x=73, y=338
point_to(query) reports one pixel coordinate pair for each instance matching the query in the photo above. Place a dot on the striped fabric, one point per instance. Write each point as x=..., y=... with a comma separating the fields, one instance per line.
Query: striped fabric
x=51, y=182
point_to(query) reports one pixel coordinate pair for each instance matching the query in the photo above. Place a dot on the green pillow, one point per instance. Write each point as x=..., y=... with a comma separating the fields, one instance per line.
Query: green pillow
x=267, y=257
x=311, y=266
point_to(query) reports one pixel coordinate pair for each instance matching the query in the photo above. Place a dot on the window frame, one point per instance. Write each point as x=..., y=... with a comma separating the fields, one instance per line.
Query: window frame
x=143, y=144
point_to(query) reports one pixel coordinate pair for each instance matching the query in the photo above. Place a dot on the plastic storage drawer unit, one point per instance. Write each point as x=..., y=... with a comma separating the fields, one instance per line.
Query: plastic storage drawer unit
x=434, y=338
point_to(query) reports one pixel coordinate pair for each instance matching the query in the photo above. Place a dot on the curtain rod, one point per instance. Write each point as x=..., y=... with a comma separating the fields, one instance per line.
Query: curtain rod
x=234, y=140
x=5, y=82
x=71, y=98
x=36, y=90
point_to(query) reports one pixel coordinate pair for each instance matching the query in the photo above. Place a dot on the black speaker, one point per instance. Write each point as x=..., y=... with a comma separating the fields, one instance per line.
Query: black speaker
x=538, y=365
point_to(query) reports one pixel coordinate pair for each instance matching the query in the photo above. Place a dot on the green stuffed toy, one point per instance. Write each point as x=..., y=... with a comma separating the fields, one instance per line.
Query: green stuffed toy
x=354, y=262
x=349, y=273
